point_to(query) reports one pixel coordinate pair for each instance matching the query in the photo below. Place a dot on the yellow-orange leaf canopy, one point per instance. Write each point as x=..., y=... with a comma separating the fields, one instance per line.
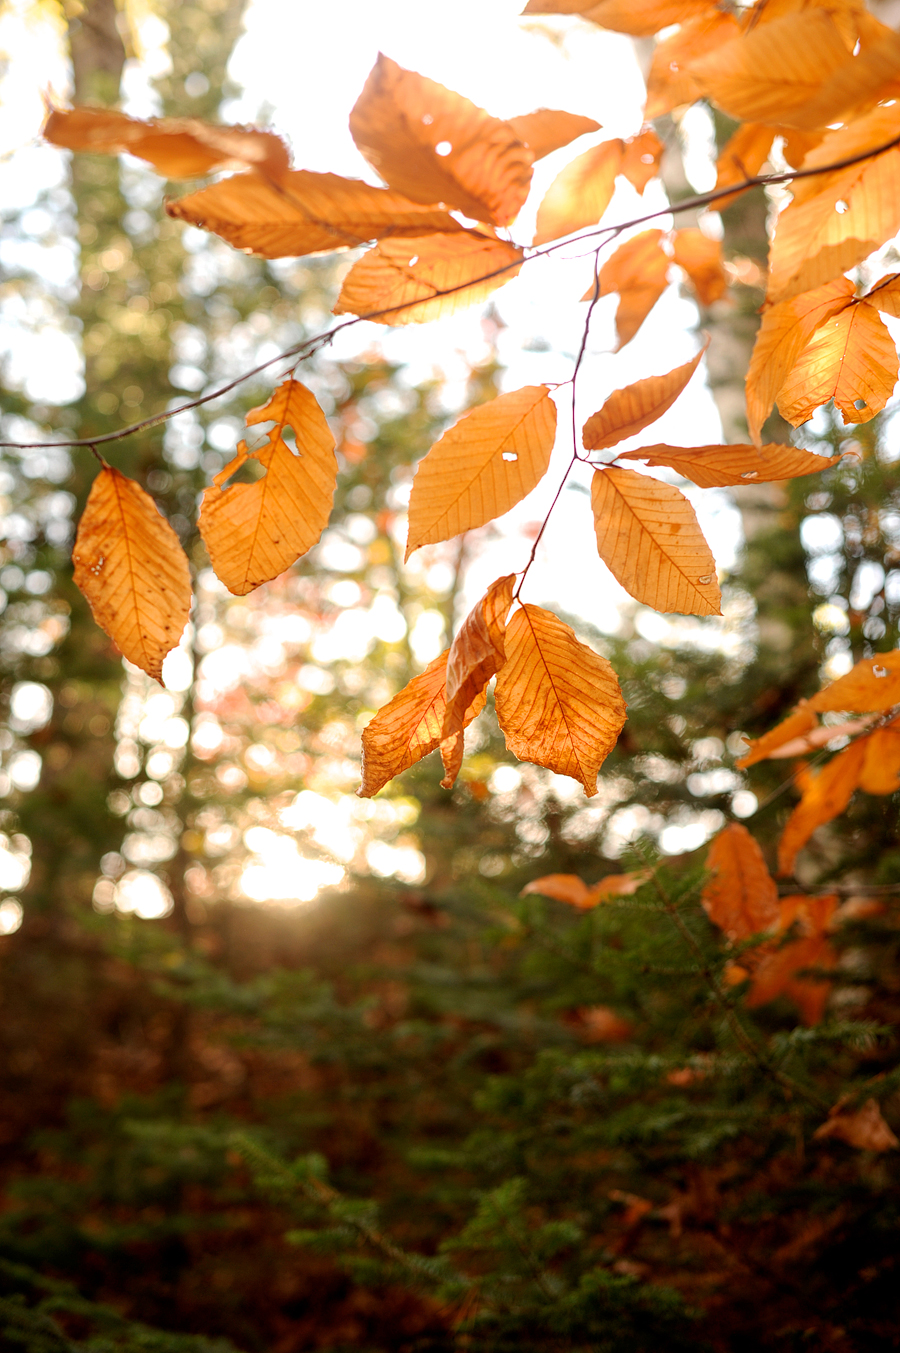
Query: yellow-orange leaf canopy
x=638, y=271
x=580, y=193
x=825, y=794
x=558, y=702
x=670, y=83
x=549, y=129
x=255, y=531
x=871, y=686
x=741, y=896
x=476, y=654
x=131, y=568
x=640, y=18
x=482, y=466
x=650, y=540
x=435, y=146
x=715, y=466
x=630, y=410
x=425, y=279
x=851, y=358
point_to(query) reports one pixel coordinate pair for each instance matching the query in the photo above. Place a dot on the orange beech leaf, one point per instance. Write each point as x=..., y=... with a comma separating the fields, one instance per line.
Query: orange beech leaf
x=255, y=531
x=715, y=466
x=640, y=162
x=670, y=83
x=763, y=75
x=482, y=466
x=797, y=144
x=742, y=157
x=852, y=20
x=820, y=736
x=863, y=1128
x=650, y=540
x=701, y=259
x=130, y=566
x=837, y=219
x=570, y=889
x=305, y=213
x=630, y=410
x=558, y=702
x=639, y=272
x=856, y=86
x=407, y=277
x=580, y=193
x=409, y=727
x=435, y=146
x=640, y=18
x=177, y=147
x=852, y=359
x=885, y=295
x=800, y=720
x=880, y=772
x=777, y=975
x=785, y=330
x=826, y=794
x=871, y=686
x=741, y=896
x=477, y=652
x=549, y=129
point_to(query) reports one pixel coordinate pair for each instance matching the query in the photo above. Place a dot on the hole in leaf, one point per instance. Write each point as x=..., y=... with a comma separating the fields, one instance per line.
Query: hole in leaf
x=427, y=119
x=413, y=261
x=859, y=403
x=510, y=455
x=879, y=671
x=841, y=206
x=749, y=474
x=705, y=578
x=443, y=148
x=646, y=159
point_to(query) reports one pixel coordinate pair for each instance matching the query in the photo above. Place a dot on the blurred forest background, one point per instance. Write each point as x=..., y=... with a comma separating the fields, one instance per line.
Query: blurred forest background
x=421, y=1112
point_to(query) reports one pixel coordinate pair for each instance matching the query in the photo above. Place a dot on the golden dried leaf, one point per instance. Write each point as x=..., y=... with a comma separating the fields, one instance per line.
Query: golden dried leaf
x=742, y=157
x=763, y=75
x=880, y=772
x=670, y=83
x=549, y=129
x=885, y=295
x=740, y=897
x=580, y=193
x=640, y=163
x=715, y=466
x=869, y=687
x=838, y=218
x=255, y=531
x=477, y=653
x=777, y=975
x=413, y=281
x=482, y=466
x=305, y=213
x=701, y=259
x=825, y=794
x=640, y=18
x=130, y=566
x=650, y=540
x=177, y=147
x=558, y=702
x=851, y=358
x=800, y=720
x=409, y=727
x=863, y=1128
x=569, y=888
x=785, y=330
x=630, y=410
x=435, y=146
x=639, y=272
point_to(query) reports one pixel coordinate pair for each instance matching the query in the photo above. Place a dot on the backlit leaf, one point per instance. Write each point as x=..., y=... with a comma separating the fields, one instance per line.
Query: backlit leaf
x=650, y=540
x=872, y=685
x=740, y=897
x=435, y=146
x=821, y=736
x=825, y=794
x=580, y=193
x=477, y=652
x=742, y=157
x=255, y=531
x=305, y=213
x=800, y=720
x=630, y=410
x=640, y=162
x=639, y=272
x=640, y=18
x=482, y=466
x=885, y=295
x=558, y=702
x=880, y=772
x=417, y=280
x=549, y=129
x=851, y=358
x=670, y=83
x=715, y=466
x=701, y=259
x=863, y=1128
x=570, y=889
x=130, y=566
x=855, y=86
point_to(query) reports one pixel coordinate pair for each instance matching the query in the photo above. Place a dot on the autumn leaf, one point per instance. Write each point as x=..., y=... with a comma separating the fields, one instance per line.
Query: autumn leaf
x=640, y=18
x=570, y=889
x=409, y=727
x=640, y=162
x=580, y=193
x=777, y=975
x=630, y=410
x=482, y=466
x=740, y=897
x=880, y=772
x=800, y=720
x=416, y=280
x=701, y=259
x=819, y=735
x=639, y=272
x=715, y=466
x=742, y=157
x=863, y=1128
x=649, y=538
x=670, y=83
x=785, y=330
x=549, y=129
x=871, y=686
x=854, y=87
x=130, y=566
x=601, y=1024
x=826, y=793
x=177, y=147
x=305, y=213
x=885, y=295
x=851, y=358
x=436, y=146
x=477, y=652
x=255, y=531
x=558, y=702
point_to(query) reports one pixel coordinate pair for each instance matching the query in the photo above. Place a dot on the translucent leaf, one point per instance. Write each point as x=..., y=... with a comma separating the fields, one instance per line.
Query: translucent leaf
x=549, y=129
x=715, y=466
x=885, y=295
x=476, y=654
x=640, y=162
x=670, y=83
x=558, y=702
x=130, y=566
x=742, y=157
x=701, y=259
x=799, y=721
x=740, y=897
x=640, y=18
x=871, y=686
x=255, y=531
x=649, y=538
x=880, y=772
x=855, y=87
x=826, y=793
x=639, y=272
x=482, y=466
x=851, y=358
x=570, y=889
x=630, y=410
x=580, y=193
